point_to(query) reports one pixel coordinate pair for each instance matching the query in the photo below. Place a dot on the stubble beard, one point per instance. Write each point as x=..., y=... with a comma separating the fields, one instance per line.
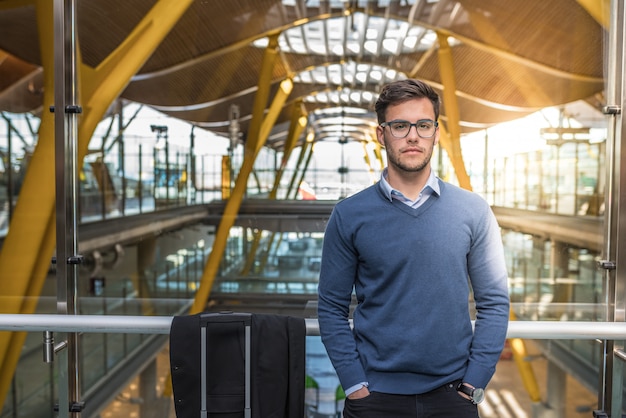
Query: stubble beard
x=415, y=167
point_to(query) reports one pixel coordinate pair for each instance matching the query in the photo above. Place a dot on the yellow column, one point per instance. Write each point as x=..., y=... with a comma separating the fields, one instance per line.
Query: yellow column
x=29, y=245
x=598, y=9
x=231, y=209
x=257, y=135
x=297, y=124
x=451, y=141
x=518, y=348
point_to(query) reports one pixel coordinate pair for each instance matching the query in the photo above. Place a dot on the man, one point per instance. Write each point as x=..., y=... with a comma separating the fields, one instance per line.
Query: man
x=410, y=247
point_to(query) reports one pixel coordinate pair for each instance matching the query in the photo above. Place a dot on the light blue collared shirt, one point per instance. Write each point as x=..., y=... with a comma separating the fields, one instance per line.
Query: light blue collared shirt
x=431, y=187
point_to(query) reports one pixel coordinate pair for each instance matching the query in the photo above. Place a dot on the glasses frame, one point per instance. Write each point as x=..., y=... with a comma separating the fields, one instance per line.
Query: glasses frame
x=434, y=122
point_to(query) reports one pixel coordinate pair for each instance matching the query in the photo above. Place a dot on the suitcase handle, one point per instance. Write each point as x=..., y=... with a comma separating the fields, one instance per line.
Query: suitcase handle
x=225, y=317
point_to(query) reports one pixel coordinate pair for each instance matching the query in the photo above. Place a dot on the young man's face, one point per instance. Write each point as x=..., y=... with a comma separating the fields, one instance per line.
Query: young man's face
x=411, y=153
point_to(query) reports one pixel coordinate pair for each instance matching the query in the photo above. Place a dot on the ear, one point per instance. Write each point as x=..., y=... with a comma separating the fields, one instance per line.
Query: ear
x=380, y=135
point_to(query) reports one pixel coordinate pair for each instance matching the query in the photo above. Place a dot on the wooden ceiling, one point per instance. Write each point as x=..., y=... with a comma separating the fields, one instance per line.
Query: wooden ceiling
x=510, y=57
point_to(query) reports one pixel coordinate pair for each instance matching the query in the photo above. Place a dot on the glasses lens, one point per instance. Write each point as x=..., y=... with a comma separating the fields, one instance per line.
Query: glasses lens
x=425, y=128
x=399, y=129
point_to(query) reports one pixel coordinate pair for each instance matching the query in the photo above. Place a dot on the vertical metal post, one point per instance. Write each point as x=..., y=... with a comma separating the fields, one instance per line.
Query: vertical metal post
x=9, y=170
x=609, y=394
x=104, y=183
x=168, y=173
x=192, y=165
x=121, y=152
x=66, y=112
x=486, y=169
x=175, y=173
x=140, y=179
x=233, y=130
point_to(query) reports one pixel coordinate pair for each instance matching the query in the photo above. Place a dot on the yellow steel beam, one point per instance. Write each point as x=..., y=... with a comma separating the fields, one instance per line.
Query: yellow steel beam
x=301, y=157
x=453, y=141
x=520, y=354
x=378, y=153
x=297, y=125
x=368, y=160
x=29, y=245
x=265, y=130
x=309, y=154
x=262, y=95
x=252, y=253
x=234, y=202
x=274, y=110
x=26, y=248
x=257, y=136
x=447, y=144
x=268, y=247
x=598, y=9
x=366, y=157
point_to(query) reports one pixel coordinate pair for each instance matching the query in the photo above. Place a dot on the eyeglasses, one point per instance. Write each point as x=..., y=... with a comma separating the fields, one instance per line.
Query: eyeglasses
x=425, y=128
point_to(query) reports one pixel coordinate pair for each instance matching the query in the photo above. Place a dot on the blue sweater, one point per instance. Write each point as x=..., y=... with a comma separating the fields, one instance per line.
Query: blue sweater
x=411, y=270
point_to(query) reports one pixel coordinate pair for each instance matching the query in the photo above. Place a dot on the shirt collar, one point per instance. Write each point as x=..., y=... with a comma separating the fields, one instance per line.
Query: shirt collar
x=432, y=183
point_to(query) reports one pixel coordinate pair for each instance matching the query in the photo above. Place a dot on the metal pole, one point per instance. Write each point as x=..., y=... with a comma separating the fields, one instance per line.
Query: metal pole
x=609, y=397
x=121, y=153
x=191, y=178
x=66, y=110
x=167, y=171
x=140, y=180
x=9, y=170
x=139, y=324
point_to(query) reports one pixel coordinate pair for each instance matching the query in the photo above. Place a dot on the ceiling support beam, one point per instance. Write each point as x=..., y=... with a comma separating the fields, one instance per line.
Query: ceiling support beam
x=452, y=145
x=599, y=10
x=368, y=161
x=296, y=126
x=451, y=139
x=378, y=157
x=308, y=144
x=308, y=154
x=29, y=245
x=259, y=130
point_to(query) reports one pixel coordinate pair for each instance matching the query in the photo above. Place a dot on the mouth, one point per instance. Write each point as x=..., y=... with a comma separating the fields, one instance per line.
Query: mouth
x=412, y=151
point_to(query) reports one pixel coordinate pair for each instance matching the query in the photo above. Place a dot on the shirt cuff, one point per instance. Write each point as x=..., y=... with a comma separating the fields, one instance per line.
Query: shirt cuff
x=354, y=388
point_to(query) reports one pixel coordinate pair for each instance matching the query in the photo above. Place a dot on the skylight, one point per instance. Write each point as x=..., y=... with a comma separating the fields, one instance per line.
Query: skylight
x=356, y=34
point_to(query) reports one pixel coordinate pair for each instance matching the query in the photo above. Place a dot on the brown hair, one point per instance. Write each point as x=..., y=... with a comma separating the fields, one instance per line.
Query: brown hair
x=403, y=90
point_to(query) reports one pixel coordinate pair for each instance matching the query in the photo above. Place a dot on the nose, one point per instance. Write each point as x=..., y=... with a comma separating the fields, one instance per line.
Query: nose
x=412, y=135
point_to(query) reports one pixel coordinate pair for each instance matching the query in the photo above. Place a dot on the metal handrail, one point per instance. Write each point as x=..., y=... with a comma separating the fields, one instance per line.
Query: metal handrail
x=539, y=330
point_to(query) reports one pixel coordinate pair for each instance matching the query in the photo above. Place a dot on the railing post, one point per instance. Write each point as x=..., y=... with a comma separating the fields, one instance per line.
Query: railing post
x=66, y=112
x=610, y=373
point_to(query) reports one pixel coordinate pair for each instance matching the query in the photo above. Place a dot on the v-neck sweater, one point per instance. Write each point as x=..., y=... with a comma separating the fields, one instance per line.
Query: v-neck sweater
x=411, y=270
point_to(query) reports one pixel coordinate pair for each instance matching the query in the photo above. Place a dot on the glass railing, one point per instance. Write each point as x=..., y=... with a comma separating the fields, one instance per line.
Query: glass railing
x=566, y=179
x=146, y=174
x=289, y=268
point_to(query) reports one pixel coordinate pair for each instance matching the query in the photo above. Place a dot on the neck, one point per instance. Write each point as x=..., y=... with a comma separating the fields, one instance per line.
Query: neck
x=409, y=183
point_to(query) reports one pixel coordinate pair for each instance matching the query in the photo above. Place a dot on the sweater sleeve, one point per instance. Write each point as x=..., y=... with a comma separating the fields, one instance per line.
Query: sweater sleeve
x=336, y=282
x=488, y=277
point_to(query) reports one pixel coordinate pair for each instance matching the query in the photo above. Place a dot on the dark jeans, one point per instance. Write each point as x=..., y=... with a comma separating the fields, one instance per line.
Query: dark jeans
x=443, y=402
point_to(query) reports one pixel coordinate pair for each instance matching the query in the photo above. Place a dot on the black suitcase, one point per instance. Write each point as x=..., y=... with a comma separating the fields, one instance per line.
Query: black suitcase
x=238, y=365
